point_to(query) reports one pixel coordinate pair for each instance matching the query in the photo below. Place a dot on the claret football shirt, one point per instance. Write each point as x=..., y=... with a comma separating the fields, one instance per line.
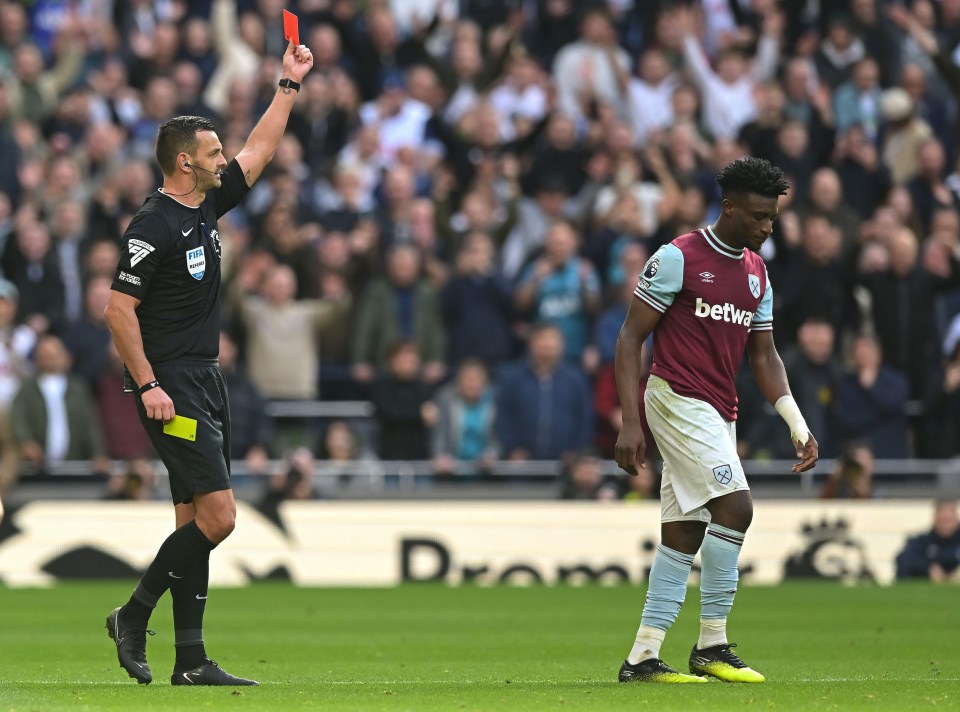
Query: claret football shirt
x=711, y=297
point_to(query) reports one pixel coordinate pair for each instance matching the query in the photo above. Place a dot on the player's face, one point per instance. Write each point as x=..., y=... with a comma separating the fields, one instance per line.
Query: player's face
x=753, y=217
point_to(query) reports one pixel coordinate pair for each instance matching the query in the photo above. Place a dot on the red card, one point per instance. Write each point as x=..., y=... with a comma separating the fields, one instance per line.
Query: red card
x=291, y=27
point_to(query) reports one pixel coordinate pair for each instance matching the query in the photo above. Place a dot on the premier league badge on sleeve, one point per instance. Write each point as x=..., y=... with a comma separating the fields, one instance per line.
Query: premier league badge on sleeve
x=754, y=282
x=652, y=266
x=196, y=263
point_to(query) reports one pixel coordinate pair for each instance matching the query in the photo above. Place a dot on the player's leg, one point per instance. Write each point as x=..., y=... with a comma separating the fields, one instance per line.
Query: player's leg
x=731, y=514
x=681, y=534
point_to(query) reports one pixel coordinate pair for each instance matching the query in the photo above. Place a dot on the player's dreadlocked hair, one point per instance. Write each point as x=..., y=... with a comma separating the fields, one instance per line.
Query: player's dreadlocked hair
x=752, y=175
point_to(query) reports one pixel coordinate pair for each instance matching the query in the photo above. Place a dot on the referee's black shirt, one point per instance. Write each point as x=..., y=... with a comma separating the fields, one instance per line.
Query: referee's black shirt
x=170, y=261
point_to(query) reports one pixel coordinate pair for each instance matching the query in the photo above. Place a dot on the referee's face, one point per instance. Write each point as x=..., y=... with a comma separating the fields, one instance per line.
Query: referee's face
x=210, y=157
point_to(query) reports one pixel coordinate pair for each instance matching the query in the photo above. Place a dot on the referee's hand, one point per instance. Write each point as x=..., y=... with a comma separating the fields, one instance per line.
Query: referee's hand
x=158, y=404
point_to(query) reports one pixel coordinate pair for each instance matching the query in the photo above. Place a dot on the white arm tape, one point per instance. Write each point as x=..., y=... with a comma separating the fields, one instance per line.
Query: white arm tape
x=789, y=410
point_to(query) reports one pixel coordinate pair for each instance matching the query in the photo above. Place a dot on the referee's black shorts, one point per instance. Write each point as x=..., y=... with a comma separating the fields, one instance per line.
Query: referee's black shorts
x=198, y=391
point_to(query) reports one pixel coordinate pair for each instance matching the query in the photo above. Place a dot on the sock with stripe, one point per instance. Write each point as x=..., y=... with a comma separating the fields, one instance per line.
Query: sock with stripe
x=665, y=593
x=189, y=602
x=718, y=582
x=179, y=553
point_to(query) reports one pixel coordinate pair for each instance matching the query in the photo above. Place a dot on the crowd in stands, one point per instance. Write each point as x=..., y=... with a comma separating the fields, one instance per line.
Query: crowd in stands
x=454, y=222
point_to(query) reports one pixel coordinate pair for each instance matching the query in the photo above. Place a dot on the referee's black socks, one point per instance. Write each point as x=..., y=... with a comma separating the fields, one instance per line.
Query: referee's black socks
x=178, y=556
x=189, y=601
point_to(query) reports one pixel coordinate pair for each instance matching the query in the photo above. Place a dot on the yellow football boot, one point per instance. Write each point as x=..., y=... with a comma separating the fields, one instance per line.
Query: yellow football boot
x=721, y=662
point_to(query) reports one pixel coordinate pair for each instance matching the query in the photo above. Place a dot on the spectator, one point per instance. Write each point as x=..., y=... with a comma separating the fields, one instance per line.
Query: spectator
x=904, y=135
x=464, y=430
x=51, y=414
x=561, y=288
x=583, y=479
x=839, y=51
x=123, y=435
x=815, y=373
x=250, y=426
x=928, y=188
x=852, y=476
x=401, y=306
x=728, y=93
x=283, y=334
x=543, y=404
x=857, y=102
x=650, y=95
x=293, y=479
x=593, y=69
x=871, y=402
x=902, y=293
x=935, y=555
x=88, y=338
x=136, y=482
x=31, y=264
x=402, y=406
x=864, y=179
x=477, y=306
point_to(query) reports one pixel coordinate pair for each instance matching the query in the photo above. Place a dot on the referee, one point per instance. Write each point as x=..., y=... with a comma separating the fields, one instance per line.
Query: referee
x=164, y=314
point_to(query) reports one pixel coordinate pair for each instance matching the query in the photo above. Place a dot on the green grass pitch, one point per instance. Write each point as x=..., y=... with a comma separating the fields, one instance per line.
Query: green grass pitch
x=821, y=646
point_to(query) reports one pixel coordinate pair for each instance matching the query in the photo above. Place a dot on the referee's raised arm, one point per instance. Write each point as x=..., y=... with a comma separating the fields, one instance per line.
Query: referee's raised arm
x=258, y=151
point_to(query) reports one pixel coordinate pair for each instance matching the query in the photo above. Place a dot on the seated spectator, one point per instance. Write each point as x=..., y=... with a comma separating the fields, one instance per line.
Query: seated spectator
x=934, y=555
x=544, y=408
x=293, y=479
x=402, y=406
x=466, y=414
x=401, y=306
x=852, y=477
x=562, y=289
x=871, y=402
x=135, y=482
x=51, y=415
x=583, y=480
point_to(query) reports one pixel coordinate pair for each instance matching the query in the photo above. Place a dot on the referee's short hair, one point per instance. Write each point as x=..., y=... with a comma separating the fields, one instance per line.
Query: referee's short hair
x=176, y=135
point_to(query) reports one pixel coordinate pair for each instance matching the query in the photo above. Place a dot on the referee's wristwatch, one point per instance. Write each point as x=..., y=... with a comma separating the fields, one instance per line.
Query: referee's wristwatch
x=284, y=83
x=149, y=386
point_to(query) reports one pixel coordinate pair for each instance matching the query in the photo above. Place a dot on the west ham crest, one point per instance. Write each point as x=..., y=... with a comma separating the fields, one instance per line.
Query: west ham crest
x=754, y=282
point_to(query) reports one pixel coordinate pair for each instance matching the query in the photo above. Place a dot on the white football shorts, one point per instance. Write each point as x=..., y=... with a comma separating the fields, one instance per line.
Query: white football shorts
x=699, y=450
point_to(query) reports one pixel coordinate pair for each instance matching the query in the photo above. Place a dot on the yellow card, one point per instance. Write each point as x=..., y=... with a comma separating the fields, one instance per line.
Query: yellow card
x=181, y=427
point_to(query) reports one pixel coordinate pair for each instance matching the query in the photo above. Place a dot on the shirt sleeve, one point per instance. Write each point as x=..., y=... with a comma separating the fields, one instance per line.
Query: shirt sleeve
x=763, y=317
x=141, y=251
x=233, y=186
x=662, y=278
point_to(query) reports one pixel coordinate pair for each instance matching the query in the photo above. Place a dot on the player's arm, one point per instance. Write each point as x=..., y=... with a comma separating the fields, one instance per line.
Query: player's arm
x=258, y=151
x=640, y=322
x=771, y=376
x=121, y=316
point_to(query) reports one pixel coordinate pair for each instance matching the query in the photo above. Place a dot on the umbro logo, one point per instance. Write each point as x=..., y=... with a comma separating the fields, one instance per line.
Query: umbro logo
x=707, y=277
x=138, y=250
